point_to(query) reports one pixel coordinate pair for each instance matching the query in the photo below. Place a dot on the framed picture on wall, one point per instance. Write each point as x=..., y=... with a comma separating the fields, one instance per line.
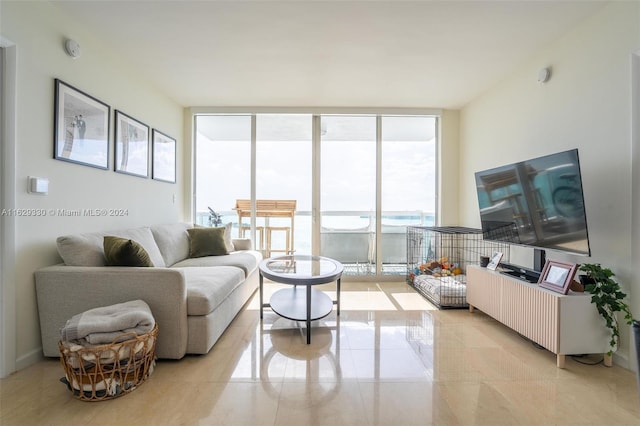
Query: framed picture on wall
x=81, y=127
x=557, y=276
x=132, y=146
x=164, y=157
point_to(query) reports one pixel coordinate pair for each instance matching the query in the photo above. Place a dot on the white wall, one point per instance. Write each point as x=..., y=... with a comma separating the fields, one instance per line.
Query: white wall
x=586, y=105
x=38, y=29
x=449, y=172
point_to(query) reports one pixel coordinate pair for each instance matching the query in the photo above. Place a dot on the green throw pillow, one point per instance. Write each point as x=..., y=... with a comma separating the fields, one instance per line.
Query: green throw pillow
x=125, y=252
x=206, y=242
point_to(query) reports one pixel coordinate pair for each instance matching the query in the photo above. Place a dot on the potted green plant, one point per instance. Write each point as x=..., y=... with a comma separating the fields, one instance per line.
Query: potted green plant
x=608, y=297
x=215, y=219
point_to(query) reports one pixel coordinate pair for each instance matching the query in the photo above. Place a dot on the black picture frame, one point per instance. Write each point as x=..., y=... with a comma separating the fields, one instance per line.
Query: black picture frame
x=557, y=276
x=81, y=127
x=132, y=139
x=164, y=157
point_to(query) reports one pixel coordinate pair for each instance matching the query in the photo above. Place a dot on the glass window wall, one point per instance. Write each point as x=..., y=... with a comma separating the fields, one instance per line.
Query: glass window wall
x=365, y=161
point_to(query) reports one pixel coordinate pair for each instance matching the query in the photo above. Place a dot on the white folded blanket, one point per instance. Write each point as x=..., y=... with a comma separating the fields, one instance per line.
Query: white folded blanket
x=108, y=324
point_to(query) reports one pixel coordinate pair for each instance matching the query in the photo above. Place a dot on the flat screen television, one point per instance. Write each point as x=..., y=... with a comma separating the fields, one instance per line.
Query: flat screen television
x=537, y=203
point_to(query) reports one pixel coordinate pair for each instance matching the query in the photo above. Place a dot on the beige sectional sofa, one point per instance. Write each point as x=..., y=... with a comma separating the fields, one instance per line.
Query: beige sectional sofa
x=193, y=300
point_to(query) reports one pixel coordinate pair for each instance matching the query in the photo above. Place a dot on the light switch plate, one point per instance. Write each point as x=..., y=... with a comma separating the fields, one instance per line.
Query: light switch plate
x=38, y=185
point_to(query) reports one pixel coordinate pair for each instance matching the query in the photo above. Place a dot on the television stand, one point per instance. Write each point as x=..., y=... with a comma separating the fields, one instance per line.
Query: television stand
x=563, y=324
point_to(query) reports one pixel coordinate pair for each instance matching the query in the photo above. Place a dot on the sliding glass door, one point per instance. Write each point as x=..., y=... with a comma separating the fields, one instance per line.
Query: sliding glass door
x=408, y=185
x=283, y=174
x=223, y=167
x=348, y=191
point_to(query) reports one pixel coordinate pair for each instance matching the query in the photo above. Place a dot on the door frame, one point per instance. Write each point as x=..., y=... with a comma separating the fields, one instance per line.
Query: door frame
x=632, y=361
x=8, y=108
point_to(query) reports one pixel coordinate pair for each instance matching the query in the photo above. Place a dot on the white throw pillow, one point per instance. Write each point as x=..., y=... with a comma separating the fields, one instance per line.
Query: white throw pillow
x=228, y=242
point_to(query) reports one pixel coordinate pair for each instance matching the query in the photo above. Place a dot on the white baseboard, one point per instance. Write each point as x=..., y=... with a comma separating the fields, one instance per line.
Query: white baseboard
x=621, y=360
x=30, y=358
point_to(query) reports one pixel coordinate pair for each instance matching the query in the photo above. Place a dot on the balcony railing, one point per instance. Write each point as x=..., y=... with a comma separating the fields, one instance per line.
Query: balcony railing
x=347, y=236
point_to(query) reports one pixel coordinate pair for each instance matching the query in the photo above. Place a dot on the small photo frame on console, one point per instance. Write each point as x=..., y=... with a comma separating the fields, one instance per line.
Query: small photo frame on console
x=557, y=276
x=495, y=260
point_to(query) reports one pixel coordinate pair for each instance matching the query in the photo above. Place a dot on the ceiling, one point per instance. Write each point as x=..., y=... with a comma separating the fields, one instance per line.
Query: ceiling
x=420, y=54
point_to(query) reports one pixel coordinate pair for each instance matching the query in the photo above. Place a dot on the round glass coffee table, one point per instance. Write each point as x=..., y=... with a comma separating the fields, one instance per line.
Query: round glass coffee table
x=301, y=302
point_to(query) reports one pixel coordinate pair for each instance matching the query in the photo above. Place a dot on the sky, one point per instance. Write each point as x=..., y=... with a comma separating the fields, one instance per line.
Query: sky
x=348, y=153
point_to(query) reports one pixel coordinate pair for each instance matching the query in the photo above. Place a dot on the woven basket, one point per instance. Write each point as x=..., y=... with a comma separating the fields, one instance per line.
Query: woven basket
x=101, y=372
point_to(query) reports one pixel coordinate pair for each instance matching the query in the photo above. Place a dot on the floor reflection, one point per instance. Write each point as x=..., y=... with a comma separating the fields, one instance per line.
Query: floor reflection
x=317, y=362
x=356, y=345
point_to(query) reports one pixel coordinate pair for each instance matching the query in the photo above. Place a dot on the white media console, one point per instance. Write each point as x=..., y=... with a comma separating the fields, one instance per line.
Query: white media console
x=563, y=324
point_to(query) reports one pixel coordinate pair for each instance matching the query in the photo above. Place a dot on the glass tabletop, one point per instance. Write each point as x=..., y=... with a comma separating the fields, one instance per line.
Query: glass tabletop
x=300, y=267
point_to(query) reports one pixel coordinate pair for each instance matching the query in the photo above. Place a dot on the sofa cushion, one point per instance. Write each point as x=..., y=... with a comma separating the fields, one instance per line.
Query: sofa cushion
x=207, y=287
x=207, y=242
x=125, y=252
x=228, y=241
x=241, y=244
x=87, y=249
x=173, y=241
x=247, y=261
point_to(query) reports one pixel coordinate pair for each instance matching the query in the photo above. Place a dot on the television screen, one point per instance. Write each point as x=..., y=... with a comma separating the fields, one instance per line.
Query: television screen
x=537, y=203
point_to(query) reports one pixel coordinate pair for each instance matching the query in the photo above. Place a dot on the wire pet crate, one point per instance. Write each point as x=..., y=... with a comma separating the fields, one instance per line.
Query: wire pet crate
x=437, y=258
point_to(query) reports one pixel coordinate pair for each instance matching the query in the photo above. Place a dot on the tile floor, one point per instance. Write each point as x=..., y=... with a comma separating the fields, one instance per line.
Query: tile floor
x=389, y=359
